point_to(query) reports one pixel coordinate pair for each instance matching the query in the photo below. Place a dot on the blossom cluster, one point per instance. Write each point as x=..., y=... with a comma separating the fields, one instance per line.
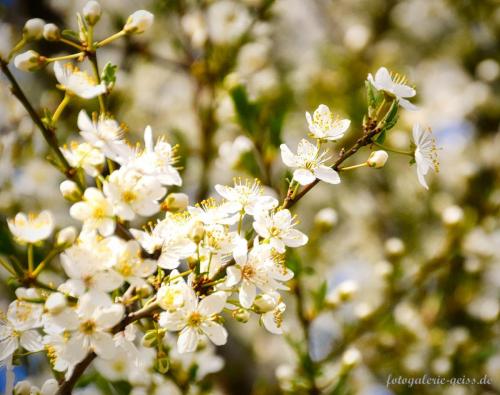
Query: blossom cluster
x=142, y=298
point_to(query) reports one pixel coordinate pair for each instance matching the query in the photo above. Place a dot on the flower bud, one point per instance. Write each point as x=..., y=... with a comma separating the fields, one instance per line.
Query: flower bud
x=452, y=216
x=50, y=387
x=326, y=218
x=138, y=22
x=55, y=303
x=22, y=388
x=70, y=191
x=351, y=358
x=264, y=303
x=66, y=237
x=241, y=315
x=51, y=32
x=197, y=232
x=33, y=29
x=29, y=61
x=394, y=247
x=377, y=159
x=175, y=202
x=92, y=12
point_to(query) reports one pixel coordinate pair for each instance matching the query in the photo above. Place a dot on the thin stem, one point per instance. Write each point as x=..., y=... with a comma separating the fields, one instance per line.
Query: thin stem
x=111, y=38
x=16, y=48
x=62, y=105
x=95, y=67
x=7, y=267
x=183, y=274
x=65, y=57
x=364, y=164
x=397, y=151
x=47, y=133
x=46, y=260
x=30, y=258
x=71, y=43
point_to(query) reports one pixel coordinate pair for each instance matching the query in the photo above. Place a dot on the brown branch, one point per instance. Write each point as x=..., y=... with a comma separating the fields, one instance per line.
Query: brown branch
x=366, y=139
x=48, y=133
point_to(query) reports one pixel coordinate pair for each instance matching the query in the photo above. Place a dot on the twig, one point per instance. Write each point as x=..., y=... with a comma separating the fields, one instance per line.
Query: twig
x=47, y=133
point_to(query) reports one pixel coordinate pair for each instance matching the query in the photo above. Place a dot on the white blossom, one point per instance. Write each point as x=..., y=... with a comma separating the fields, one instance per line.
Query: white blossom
x=393, y=86
x=195, y=319
x=31, y=228
x=95, y=211
x=278, y=229
x=18, y=328
x=85, y=156
x=247, y=197
x=323, y=125
x=132, y=193
x=425, y=153
x=77, y=82
x=309, y=164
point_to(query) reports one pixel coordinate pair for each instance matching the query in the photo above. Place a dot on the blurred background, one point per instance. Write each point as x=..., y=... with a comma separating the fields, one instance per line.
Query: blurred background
x=396, y=280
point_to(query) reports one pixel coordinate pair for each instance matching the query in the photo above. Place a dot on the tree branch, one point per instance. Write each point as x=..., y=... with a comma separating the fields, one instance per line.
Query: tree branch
x=47, y=133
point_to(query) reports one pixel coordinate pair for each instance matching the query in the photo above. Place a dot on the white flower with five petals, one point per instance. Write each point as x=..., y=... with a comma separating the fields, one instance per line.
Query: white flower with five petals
x=309, y=164
x=77, y=82
x=247, y=197
x=425, y=153
x=323, y=125
x=95, y=211
x=104, y=134
x=196, y=319
x=132, y=193
x=278, y=229
x=256, y=270
x=90, y=326
x=395, y=87
x=31, y=228
x=19, y=329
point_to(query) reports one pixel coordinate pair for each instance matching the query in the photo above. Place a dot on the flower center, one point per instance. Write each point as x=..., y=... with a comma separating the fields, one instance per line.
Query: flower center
x=128, y=196
x=98, y=212
x=247, y=271
x=194, y=319
x=274, y=231
x=87, y=327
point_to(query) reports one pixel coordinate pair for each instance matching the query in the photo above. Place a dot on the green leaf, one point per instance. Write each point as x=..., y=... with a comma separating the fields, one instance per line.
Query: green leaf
x=320, y=296
x=108, y=74
x=371, y=96
x=381, y=137
x=392, y=116
x=247, y=111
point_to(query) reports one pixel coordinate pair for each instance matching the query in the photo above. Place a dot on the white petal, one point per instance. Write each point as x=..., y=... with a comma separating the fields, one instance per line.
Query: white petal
x=247, y=294
x=213, y=303
x=103, y=345
x=327, y=174
x=287, y=156
x=295, y=238
x=31, y=340
x=407, y=105
x=188, y=340
x=215, y=332
x=110, y=316
x=233, y=275
x=303, y=176
x=7, y=347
